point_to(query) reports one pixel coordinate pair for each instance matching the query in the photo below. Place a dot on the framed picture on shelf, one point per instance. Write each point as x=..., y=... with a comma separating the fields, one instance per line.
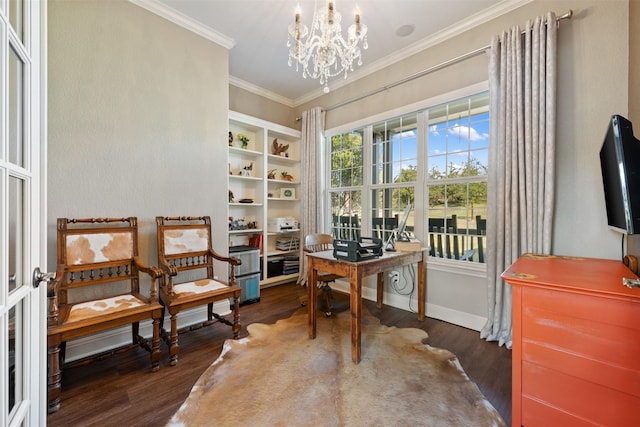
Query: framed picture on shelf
x=287, y=193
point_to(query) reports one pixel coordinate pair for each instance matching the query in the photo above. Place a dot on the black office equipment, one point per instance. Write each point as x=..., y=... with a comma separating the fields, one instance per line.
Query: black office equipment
x=357, y=250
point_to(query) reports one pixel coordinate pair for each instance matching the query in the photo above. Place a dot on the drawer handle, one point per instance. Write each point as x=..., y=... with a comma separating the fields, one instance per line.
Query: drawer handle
x=631, y=283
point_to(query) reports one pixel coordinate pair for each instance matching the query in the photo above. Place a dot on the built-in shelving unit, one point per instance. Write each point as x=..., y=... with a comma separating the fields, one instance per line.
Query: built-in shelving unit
x=264, y=186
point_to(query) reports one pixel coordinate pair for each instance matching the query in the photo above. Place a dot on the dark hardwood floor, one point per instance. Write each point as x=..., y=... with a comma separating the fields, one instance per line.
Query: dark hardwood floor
x=122, y=391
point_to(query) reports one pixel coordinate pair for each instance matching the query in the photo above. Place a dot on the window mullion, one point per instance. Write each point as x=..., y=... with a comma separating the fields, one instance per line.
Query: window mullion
x=367, y=157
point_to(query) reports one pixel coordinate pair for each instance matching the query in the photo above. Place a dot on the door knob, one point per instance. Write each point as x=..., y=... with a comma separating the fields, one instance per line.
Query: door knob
x=39, y=276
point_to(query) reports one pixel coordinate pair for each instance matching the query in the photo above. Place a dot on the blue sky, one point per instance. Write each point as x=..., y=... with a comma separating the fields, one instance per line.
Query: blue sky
x=453, y=141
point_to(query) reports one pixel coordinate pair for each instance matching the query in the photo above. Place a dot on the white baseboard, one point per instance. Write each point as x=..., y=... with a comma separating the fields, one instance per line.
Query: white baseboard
x=460, y=318
x=118, y=337
x=456, y=317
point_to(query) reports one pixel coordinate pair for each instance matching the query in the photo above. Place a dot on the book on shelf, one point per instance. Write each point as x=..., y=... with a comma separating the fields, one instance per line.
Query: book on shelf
x=256, y=241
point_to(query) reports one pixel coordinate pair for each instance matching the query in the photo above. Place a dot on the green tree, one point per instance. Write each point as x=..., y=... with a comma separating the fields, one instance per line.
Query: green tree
x=456, y=194
x=405, y=195
x=346, y=171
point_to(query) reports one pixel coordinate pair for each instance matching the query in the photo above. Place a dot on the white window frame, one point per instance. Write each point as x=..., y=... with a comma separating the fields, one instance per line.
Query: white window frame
x=468, y=268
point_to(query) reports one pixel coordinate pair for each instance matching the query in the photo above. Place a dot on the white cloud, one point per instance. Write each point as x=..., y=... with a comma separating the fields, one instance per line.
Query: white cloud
x=433, y=129
x=408, y=134
x=465, y=131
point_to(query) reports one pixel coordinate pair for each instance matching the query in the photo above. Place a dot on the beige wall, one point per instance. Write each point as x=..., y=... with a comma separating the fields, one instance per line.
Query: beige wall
x=634, y=64
x=137, y=119
x=243, y=101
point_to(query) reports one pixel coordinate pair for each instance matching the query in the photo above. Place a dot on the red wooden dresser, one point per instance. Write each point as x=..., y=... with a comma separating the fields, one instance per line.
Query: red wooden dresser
x=576, y=342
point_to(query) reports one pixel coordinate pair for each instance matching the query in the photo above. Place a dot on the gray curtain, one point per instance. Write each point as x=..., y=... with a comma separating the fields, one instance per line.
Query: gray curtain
x=522, y=83
x=310, y=197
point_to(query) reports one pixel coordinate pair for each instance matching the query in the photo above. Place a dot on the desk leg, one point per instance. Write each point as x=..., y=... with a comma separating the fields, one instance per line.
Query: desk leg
x=379, y=293
x=355, y=281
x=312, y=287
x=422, y=287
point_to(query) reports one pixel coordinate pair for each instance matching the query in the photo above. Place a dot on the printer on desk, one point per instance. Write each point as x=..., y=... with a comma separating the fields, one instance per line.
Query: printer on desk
x=278, y=225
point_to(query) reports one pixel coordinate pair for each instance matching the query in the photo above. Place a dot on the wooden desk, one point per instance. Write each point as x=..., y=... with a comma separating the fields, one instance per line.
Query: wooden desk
x=355, y=271
x=576, y=340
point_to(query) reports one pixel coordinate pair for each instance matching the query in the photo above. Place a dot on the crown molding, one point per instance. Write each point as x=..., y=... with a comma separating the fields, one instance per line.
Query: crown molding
x=450, y=32
x=426, y=43
x=227, y=42
x=242, y=84
x=186, y=22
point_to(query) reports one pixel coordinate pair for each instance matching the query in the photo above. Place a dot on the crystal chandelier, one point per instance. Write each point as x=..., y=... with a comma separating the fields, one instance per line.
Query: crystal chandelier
x=329, y=53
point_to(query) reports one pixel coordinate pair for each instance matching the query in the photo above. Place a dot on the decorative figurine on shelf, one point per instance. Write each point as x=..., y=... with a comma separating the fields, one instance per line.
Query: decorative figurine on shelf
x=243, y=140
x=237, y=224
x=247, y=170
x=231, y=197
x=285, y=175
x=271, y=174
x=280, y=149
x=230, y=139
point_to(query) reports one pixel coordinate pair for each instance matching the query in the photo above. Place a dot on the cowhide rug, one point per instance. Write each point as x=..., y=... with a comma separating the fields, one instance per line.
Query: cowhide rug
x=277, y=376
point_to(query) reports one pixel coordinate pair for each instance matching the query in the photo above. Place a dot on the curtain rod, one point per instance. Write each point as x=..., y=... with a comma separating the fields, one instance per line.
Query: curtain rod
x=430, y=70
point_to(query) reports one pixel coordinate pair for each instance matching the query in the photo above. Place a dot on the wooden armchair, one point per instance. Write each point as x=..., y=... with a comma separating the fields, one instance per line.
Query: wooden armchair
x=186, y=255
x=98, y=257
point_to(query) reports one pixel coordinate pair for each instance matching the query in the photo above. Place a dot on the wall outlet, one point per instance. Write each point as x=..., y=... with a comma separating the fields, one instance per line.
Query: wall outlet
x=394, y=277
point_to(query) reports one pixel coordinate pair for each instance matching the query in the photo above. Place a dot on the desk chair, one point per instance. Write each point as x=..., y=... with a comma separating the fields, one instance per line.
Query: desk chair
x=317, y=243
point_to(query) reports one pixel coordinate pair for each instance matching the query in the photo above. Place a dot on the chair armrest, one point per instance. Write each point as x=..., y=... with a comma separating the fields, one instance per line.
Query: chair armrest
x=154, y=272
x=168, y=273
x=231, y=260
x=52, y=296
x=167, y=268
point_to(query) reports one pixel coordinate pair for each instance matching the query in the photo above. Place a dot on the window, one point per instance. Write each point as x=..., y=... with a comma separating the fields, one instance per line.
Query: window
x=346, y=184
x=394, y=173
x=445, y=147
x=457, y=165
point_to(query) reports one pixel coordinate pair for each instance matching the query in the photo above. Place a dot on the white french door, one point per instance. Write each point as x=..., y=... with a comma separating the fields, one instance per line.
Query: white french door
x=22, y=207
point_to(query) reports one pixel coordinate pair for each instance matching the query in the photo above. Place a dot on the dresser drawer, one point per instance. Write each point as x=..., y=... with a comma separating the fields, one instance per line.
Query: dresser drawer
x=588, y=338
x=577, y=397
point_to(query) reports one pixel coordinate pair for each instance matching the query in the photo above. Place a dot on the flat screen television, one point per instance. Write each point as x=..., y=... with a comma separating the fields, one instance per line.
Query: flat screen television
x=620, y=164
